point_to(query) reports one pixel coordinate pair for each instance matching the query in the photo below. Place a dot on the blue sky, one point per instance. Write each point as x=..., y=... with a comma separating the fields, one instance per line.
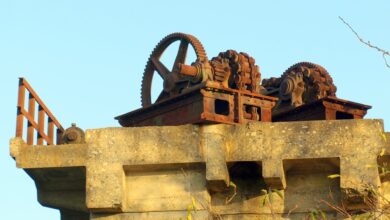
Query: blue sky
x=86, y=58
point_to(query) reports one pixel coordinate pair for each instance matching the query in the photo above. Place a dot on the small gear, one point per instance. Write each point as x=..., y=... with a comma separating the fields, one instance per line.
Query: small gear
x=302, y=83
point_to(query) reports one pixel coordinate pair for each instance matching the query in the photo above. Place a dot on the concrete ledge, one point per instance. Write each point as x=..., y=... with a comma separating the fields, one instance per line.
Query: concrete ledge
x=164, y=169
x=273, y=173
x=214, y=145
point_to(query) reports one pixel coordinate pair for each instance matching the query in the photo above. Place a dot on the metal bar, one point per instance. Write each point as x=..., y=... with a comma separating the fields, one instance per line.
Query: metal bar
x=29, y=118
x=59, y=136
x=31, y=112
x=250, y=94
x=41, y=124
x=50, y=130
x=188, y=70
x=40, y=102
x=35, y=125
x=20, y=106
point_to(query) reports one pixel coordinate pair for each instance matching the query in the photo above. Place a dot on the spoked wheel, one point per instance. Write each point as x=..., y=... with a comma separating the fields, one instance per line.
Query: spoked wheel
x=173, y=82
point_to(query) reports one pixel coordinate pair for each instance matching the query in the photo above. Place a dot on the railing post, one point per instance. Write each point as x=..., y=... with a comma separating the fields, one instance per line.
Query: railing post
x=41, y=124
x=19, y=115
x=50, y=130
x=59, y=136
x=33, y=126
x=31, y=112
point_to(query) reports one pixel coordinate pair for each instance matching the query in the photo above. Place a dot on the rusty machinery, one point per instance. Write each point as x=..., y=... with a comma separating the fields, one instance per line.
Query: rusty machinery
x=225, y=89
x=306, y=92
x=73, y=135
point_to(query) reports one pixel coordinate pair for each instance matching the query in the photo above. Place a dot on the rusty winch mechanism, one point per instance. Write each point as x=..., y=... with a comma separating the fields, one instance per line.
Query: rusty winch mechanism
x=306, y=92
x=226, y=89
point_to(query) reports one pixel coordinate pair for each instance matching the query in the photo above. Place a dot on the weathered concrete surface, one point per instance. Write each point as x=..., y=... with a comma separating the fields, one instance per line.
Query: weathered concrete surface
x=158, y=172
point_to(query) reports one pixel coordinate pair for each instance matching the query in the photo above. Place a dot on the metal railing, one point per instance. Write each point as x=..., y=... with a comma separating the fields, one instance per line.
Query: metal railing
x=43, y=134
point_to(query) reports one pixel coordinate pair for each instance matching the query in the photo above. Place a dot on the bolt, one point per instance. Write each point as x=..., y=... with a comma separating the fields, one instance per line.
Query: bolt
x=71, y=136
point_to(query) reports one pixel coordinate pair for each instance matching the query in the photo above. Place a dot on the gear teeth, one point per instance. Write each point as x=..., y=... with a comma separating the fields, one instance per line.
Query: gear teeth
x=321, y=69
x=323, y=73
x=157, y=52
x=318, y=77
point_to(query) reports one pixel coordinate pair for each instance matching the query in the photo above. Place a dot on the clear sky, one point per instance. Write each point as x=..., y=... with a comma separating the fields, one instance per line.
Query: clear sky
x=86, y=58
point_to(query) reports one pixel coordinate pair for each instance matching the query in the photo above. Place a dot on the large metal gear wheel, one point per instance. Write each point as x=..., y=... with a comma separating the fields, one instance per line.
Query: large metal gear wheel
x=173, y=83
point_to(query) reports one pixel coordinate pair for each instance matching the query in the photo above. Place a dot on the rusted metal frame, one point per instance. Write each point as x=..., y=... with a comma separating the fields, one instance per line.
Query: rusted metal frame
x=333, y=99
x=133, y=118
x=330, y=114
x=265, y=106
x=177, y=111
x=210, y=117
x=313, y=111
x=342, y=108
x=209, y=98
x=41, y=103
x=332, y=108
x=231, y=107
x=237, y=100
x=324, y=109
x=266, y=114
x=36, y=126
x=256, y=106
x=244, y=92
x=255, y=112
x=253, y=115
x=181, y=112
x=203, y=104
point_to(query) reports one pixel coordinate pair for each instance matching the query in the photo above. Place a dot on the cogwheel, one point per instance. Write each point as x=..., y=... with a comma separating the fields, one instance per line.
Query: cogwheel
x=323, y=78
x=154, y=64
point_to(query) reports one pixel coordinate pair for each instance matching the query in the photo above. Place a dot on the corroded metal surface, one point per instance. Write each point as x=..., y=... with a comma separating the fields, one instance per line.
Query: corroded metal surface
x=73, y=135
x=301, y=84
x=225, y=89
x=306, y=92
x=327, y=108
x=173, y=83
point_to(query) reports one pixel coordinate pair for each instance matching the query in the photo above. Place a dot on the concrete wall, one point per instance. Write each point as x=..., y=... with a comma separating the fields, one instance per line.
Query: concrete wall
x=213, y=171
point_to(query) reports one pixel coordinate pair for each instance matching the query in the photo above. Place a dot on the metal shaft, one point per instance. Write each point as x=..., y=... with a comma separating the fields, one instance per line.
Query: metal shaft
x=188, y=70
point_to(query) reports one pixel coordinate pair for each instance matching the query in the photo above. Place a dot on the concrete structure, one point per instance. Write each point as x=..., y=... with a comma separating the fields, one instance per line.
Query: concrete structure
x=212, y=171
